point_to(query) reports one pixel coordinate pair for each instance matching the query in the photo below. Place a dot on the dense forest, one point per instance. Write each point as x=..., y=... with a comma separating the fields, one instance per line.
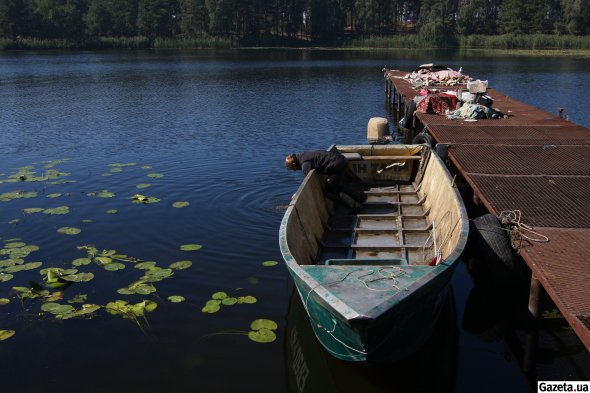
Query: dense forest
x=318, y=20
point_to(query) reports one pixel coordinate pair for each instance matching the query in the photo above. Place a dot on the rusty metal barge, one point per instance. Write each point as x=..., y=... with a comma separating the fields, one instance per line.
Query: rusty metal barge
x=533, y=162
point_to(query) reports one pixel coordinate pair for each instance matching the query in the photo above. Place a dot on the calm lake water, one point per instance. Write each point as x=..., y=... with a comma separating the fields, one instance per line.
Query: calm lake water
x=210, y=129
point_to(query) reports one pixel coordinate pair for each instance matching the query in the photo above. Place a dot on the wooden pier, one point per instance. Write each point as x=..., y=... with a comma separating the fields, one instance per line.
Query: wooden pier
x=535, y=162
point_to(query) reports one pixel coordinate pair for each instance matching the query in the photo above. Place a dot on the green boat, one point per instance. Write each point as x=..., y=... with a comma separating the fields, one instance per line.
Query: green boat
x=373, y=277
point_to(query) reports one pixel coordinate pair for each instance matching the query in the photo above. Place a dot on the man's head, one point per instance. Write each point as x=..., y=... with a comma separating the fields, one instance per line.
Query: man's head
x=291, y=162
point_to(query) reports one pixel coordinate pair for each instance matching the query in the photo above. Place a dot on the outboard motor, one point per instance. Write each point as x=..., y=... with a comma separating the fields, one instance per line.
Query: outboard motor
x=378, y=131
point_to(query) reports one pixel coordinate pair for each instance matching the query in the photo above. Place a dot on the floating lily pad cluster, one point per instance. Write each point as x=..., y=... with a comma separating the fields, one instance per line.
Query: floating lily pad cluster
x=56, y=291
x=263, y=331
x=139, y=198
x=12, y=258
x=29, y=173
x=128, y=310
x=55, y=281
x=219, y=299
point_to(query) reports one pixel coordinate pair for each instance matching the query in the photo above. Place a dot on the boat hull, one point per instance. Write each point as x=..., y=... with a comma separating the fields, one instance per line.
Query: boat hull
x=373, y=281
x=394, y=335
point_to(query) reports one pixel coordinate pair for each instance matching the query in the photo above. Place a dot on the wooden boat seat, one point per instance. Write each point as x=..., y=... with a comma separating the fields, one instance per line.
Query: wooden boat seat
x=367, y=262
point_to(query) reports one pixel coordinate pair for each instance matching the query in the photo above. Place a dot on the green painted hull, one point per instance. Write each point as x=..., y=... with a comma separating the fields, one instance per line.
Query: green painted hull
x=391, y=330
x=364, y=278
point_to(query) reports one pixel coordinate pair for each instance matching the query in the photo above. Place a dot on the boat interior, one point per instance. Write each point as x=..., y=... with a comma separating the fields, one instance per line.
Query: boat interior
x=408, y=217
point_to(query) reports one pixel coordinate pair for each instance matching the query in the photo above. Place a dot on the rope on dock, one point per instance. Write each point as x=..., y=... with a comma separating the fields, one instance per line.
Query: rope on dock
x=519, y=230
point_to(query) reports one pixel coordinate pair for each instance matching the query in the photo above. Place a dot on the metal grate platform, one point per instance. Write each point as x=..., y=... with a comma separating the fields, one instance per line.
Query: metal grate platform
x=493, y=132
x=538, y=163
x=543, y=200
x=556, y=160
x=562, y=265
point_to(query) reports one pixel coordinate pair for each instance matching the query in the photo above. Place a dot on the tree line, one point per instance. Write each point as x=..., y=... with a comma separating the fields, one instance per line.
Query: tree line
x=302, y=19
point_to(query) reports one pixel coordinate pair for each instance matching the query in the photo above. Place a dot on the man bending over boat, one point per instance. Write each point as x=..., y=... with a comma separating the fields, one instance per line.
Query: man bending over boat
x=332, y=164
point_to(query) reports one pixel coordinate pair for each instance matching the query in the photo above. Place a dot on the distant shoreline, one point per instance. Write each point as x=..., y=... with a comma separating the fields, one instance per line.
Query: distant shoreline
x=528, y=45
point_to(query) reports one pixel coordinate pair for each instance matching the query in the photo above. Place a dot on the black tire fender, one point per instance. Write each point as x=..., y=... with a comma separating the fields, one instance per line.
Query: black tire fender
x=423, y=139
x=495, y=249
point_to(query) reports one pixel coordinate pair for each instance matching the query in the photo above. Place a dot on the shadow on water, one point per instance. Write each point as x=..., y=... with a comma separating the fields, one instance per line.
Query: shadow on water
x=496, y=311
x=310, y=368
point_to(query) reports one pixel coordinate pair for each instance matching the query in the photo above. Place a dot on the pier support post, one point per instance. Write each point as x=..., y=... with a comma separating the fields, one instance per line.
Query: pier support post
x=532, y=337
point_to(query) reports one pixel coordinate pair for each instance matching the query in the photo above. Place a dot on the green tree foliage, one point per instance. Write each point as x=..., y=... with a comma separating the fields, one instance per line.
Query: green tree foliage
x=576, y=16
x=220, y=16
x=114, y=18
x=327, y=19
x=16, y=18
x=194, y=18
x=60, y=18
x=437, y=22
x=477, y=17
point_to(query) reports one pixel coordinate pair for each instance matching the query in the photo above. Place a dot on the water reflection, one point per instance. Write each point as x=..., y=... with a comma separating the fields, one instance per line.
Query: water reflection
x=309, y=368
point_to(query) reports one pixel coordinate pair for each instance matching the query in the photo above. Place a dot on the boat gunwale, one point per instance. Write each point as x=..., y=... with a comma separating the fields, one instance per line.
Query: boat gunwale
x=341, y=308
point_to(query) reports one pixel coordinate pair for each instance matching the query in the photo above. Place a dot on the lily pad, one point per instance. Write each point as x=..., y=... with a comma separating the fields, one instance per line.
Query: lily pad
x=138, y=198
x=142, y=288
x=79, y=277
x=181, y=265
x=270, y=263
x=81, y=261
x=30, y=293
x=145, y=265
x=114, y=266
x=219, y=295
x=247, y=299
x=120, y=165
x=32, y=265
x=143, y=185
x=69, y=230
x=80, y=298
x=13, y=269
x=155, y=175
x=103, y=260
x=105, y=194
x=212, y=306
x=130, y=310
x=190, y=247
x=57, y=210
x=174, y=299
x=54, y=195
x=262, y=331
x=31, y=210
x=229, y=301
x=263, y=324
x=112, y=211
x=6, y=334
x=8, y=263
x=56, y=308
x=180, y=204
x=4, y=301
x=15, y=245
x=262, y=336
x=155, y=274
x=30, y=248
x=5, y=277
x=84, y=311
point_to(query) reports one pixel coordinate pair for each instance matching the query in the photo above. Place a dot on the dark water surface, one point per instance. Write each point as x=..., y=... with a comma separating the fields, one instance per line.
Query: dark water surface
x=217, y=127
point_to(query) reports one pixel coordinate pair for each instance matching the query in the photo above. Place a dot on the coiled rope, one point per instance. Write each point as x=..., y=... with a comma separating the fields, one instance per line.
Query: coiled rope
x=519, y=230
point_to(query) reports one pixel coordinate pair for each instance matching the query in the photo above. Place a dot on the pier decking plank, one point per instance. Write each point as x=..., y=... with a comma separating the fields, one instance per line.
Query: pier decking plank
x=538, y=163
